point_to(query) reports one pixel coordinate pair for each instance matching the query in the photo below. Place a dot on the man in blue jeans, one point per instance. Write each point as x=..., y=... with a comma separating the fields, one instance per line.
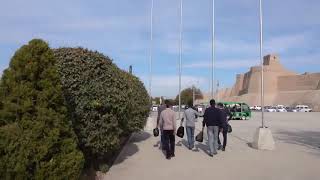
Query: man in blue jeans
x=213, y=120
x=190, y=115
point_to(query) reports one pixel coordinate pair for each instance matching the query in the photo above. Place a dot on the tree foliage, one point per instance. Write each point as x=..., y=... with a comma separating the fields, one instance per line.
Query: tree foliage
x=106, y=102
x=187, y=95
x=156, y=100
x=36, y=140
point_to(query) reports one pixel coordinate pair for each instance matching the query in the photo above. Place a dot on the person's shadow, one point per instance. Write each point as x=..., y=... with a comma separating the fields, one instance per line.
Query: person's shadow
x=203, y=147
x=197, y=147
x=158, y=144
x=130, y=148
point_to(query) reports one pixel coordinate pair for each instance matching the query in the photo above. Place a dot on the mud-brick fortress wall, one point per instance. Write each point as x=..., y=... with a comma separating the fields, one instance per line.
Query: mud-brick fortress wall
x=250, y=81
x=299, y=82
x=281, y=86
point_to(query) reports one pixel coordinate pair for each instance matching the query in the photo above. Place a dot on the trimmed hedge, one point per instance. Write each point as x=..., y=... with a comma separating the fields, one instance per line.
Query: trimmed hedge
x=106, y=103
x=36, y=139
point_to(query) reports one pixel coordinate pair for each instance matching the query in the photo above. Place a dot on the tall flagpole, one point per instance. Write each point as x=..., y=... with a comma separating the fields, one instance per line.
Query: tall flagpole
x=180, y=56
x=150, y=53
x=213, y=51
x=262, y=68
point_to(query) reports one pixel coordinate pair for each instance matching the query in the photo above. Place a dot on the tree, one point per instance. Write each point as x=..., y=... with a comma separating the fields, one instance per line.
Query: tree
x=187, y=95
x=37, y=141
x=156, y=100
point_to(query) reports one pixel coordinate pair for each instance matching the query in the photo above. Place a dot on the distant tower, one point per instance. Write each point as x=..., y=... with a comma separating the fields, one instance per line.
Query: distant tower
x=130, y=69
x=271, y=59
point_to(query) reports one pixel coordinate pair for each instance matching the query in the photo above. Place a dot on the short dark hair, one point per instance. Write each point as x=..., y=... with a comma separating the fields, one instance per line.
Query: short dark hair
x=212, y=102
x=190, y=104
x=220, y=105
x=168, y=103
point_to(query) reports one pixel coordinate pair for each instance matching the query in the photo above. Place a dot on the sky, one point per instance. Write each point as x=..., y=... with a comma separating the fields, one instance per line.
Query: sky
x=120, y=29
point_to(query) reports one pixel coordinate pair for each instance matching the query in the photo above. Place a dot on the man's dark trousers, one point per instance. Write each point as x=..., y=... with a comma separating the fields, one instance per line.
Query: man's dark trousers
x=169, y=142
x=225, y=137
x=162, y=140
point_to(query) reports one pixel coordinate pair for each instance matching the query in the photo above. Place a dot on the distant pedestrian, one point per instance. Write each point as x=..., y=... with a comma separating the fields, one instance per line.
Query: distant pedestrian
x=161, y=108
x=212, y=119
x=167, y=122
x=223, y=128
x=190, y=115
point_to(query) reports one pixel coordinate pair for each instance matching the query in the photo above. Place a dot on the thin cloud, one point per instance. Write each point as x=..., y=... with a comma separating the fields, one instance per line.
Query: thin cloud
x=286, y=42
x=224, y=64
x=307, y=59
x=168, y=85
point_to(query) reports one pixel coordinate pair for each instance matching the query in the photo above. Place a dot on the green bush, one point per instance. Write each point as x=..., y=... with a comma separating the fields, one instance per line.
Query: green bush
x=139, y=104
x=36, y=139
x=105, y=102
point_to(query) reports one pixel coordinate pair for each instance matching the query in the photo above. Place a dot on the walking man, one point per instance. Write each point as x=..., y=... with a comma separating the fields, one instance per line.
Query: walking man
x=161, y=108
x=167, y=122
x=224, y=128
x=212, y=119
x=190, y=117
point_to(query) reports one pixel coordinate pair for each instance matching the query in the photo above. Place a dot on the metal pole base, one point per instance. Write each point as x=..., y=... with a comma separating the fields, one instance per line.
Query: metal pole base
x=263, y=139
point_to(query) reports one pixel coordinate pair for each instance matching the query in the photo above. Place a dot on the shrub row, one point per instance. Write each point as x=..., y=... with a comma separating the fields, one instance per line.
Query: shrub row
x=63, y=107
x=106, y=102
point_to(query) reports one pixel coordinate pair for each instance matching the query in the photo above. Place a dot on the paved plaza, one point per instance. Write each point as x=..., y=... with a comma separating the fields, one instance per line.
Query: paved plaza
x=296, y=157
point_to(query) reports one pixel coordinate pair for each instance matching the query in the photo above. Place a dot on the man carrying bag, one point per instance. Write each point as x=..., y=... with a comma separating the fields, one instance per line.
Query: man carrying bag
x=168, y=124
x=190, y=116
x=161, y=108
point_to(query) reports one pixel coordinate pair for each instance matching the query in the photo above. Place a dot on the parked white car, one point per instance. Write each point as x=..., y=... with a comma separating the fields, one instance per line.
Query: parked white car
x=302, y=108
x=270, y=109
x=281, y=109
x=258, y=108
x=154, y=108
x=280, y=106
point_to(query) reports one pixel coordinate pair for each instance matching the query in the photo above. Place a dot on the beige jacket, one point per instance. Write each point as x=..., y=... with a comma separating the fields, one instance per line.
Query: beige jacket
x=168, y=120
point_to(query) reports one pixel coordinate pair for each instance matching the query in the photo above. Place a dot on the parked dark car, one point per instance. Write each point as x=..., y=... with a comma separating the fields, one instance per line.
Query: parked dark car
x=289, y=109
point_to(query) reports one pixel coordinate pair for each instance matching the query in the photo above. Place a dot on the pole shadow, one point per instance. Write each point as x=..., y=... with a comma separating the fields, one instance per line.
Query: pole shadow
x=309, y=139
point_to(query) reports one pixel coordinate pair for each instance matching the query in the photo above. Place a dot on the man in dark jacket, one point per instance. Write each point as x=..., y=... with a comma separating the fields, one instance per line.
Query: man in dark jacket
x=223, y=127
x=213, y=120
